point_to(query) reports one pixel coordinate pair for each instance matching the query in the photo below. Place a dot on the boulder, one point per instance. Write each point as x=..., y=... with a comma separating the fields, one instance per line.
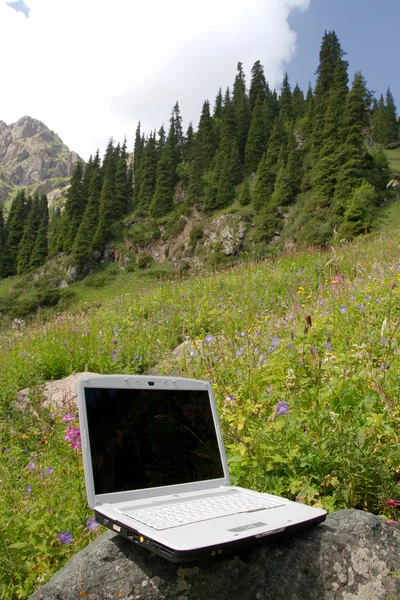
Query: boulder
x=57, y=394
x=352, y=555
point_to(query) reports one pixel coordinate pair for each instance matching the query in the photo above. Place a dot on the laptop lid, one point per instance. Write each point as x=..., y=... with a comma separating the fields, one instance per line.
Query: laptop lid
x=145, y=436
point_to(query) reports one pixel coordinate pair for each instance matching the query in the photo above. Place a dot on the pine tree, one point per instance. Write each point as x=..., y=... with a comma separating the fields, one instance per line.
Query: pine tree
x=2, y=238
x=28, y=240
x=203, y=153
x=264, y=183
x=55, y=231
x=14, y=231
x=137, y=158
x=242, y=111
x=258, y=87
x=308, y=119
x=147, y=179
x=74, y=208
x=164, y=193
x=257, y=138
x=352, y=156
x=245, y=193
x=107, y=213
x=378, y=118
x=218, y=105
x=41, y=248
x=358, y=214
x=285, y=101
x=331, y=55
x=121, y=202
x=82, y=248
x=298, y=103
x=389, y=125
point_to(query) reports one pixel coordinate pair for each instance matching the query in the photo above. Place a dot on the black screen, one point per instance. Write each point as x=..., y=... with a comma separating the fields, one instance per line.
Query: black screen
x=150, y=438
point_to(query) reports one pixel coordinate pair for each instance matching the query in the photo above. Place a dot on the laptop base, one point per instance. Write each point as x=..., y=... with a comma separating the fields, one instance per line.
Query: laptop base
x=179, y=556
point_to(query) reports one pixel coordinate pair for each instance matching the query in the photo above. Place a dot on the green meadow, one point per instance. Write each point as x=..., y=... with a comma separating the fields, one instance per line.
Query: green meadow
x=303, y=352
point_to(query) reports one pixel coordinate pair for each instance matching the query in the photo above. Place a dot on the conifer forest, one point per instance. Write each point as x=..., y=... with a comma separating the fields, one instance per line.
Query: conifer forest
x=304, y=165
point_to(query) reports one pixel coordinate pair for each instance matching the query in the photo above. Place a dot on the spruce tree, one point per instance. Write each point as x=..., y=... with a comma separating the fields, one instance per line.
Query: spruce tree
x=41, y=248
x=14, y=231
x=285, y=101
x=82, y=248
x=245, y=194
x=242, y=111
x=288, y=179
x=28, y=240
x=107, y=213
x=55, y=231
x=264, y=184
x=218, y=105
x=164, y=193
x=258, y=86
x=257, y=138
x=121, y=202
x=389, y=125
x=298, y=103
x=2, y=238
x=74, y=207
x=204, y=148
x=378, y=118
x=137, y=158
x=147, y=180
x=308, y=119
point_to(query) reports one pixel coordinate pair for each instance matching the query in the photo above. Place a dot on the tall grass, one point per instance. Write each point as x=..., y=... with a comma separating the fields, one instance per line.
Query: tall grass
x=303, y=353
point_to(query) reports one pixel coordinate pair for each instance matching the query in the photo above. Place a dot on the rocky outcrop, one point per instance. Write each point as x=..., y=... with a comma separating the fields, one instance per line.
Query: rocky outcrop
x=352, y=555
x=34, y=157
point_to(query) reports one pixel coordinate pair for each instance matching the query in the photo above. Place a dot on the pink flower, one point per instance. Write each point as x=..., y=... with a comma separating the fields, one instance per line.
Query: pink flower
x=68, y=417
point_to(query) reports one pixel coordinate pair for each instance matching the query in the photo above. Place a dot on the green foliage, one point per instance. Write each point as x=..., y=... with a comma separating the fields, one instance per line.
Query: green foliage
x=196, y=234
x=245, y=194
x=336, y=446
x=358, y=215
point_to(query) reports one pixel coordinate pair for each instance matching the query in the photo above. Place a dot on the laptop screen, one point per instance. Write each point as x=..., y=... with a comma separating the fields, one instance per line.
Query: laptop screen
x=142, y=439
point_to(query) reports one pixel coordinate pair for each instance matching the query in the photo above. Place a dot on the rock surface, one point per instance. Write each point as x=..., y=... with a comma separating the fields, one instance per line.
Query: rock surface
x=60, y=393
x=33, y=157
x=349, y=556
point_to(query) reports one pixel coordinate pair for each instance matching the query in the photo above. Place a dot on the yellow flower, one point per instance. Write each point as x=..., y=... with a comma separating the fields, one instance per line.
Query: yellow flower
x=25, y=437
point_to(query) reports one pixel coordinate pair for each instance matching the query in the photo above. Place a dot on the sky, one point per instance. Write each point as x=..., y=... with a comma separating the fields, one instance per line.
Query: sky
x=91, y=69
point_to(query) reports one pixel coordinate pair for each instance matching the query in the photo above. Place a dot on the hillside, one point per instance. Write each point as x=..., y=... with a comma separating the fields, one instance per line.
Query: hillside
x=32, y=157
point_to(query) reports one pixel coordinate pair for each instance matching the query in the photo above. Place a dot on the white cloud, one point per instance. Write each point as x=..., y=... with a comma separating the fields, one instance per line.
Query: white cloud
x=91, y=69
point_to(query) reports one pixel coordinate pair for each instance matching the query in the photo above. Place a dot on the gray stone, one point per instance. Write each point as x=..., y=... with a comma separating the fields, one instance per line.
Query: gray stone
x=351, y=555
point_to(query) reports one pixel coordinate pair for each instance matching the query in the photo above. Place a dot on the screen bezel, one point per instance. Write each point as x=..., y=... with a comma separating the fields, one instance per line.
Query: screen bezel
x=142, y=382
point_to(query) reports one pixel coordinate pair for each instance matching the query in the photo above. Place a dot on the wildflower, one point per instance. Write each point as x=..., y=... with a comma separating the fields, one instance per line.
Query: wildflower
x=115, y=342
x=328, y=346
x=28, y=488
x=308, y=319
x=230, y=398
x=68, y=417
x=343, y=309
x=73, y=436
x=282, y=408
x=92, y=524
x=209, y=338
x=383, y=342
x=50, y=470
x=321, y=302
x=240, y=351
x=31, y=465
x=395, y=503
x=65, y=537
x=392, y=522
x=314, y=351
x=274, y=343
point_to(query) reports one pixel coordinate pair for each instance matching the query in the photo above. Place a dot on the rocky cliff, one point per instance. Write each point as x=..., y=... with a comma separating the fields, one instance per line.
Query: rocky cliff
x=34, y=157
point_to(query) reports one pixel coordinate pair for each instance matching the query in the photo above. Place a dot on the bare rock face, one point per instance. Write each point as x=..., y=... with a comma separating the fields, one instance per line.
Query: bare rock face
x=33, y=157
x=352, y=555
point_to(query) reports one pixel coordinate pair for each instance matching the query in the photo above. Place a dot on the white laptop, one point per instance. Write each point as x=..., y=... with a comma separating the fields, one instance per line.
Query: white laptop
x=156, y=470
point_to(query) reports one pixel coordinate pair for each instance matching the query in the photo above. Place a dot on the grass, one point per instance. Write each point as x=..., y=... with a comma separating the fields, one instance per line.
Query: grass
x=314, y=333
x=394, y=160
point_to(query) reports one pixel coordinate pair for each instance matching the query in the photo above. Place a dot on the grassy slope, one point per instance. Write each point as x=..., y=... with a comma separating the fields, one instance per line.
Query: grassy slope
x=337, y=445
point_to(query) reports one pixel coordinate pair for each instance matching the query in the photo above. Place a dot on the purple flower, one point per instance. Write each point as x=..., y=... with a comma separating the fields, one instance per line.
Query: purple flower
x=31, y=465
x=282, y=408
x=73, y=436
x=209, y=338
x=343, y=309
x=65, y=537
x=328, y=346
x=41, y=472
x=92, y=524
x=28, y=488
x=115, y=342
x=50, y=470
x=68, y=417
x=274, y=343
x=314, y=351
x=383, y=342
x=230, y=398
x=360, y=306
x=240, y=351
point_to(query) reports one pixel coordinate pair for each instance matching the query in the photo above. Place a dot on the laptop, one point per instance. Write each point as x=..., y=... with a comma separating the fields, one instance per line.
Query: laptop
x=156, y=470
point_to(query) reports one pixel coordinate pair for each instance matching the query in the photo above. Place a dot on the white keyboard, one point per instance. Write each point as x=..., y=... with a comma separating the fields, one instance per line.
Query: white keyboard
x=184, y=512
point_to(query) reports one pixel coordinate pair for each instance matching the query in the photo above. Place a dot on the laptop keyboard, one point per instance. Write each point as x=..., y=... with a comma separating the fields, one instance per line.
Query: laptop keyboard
x=184, y=512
